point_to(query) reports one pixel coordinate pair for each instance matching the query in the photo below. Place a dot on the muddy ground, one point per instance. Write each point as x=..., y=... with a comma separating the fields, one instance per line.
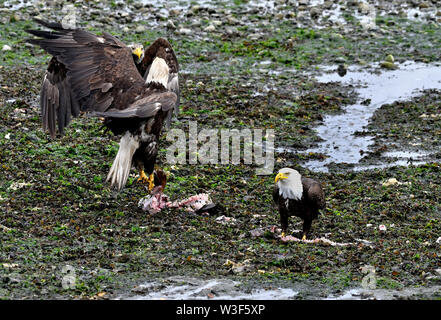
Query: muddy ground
x=243, y=66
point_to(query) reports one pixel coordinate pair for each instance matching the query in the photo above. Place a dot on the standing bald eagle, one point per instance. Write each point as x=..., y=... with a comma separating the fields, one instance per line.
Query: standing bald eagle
x=97, y=74
x=297, y=196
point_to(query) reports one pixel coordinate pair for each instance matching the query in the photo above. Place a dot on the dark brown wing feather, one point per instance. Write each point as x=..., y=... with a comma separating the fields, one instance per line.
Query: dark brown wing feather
x=100, y=73
x=314, y=192
x=57, y=100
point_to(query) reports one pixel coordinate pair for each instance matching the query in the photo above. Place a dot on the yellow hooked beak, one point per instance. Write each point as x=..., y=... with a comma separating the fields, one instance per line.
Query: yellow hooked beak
x=280, y=176
x=137, y=52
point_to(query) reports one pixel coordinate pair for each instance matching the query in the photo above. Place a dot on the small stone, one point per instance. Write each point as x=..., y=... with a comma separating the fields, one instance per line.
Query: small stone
x=195, y=9
x=328, y=5
x=390, y=58
x=342, y=70
x=140, y=29
x=170, y=24
x=6, y=48
x=231, y=30
x=210, y=28
x=185, y=31
x=315, y=12
x=254, y=36
x=174, y=12
x=391, y=182
x=138, y=5
x=388, y=65
x=363, y=7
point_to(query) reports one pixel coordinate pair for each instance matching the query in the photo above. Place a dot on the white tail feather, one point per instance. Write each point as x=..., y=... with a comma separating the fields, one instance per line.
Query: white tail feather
x=119, y=172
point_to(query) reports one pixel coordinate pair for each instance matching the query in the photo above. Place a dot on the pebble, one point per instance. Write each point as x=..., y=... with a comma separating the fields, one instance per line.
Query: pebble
x=210, y=28
x=185, y=31
x=315, y=12
x=328, y=5
x=390, y=58
x=170, y=24
x=6, y=48
x=195, y=9
x=231, y=30
x=141, y=28
x=174, y=12
x=254, y=36
x=363, y=8
x=388, y=65
x=342, y=70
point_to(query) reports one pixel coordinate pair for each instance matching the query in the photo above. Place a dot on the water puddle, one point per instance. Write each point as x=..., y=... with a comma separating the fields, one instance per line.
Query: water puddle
x=366, y=12
x=18, y=4
x=387, y=294
x=186, y=288
x=340, y=144
x=183, y=288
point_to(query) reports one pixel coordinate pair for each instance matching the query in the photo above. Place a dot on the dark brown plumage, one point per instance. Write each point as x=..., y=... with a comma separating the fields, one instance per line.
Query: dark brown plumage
x=97, y=74
x=162, y=48
x=297, y=196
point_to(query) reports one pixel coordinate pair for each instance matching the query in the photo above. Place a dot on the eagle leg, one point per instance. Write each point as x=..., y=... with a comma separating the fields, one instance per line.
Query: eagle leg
x=151, y=181
x=142, y=177
x=283, y=221
x=306, y=227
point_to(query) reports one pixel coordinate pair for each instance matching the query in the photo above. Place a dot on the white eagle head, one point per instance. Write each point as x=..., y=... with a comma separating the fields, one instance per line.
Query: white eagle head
x=289, y=182
x=137, y=52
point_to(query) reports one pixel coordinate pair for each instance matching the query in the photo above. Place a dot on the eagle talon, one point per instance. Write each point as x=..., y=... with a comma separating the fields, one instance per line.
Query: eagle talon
x=142, y=177
x=304, y=237
x=283, y=234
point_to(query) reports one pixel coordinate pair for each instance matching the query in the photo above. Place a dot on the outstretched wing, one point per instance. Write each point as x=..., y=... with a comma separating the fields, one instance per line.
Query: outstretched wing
x=100, y=73
x=162, y=48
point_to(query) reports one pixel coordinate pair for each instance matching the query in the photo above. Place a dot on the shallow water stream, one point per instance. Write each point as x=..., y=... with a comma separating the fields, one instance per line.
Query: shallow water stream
x=340, y=143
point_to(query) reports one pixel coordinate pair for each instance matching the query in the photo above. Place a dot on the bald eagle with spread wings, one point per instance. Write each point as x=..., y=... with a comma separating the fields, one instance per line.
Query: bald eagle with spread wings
x=297, y=196
x=135, y=91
